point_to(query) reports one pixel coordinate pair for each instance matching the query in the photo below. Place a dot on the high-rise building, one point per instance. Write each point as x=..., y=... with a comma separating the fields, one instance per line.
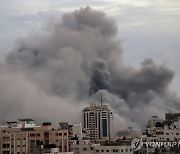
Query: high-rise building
x=98, y=121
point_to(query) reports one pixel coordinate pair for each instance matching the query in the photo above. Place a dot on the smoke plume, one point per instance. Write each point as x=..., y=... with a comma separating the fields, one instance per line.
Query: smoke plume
x=54, y=74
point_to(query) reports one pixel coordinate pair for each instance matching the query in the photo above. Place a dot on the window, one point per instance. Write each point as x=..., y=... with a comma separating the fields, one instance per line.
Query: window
x=84, y=149
x=39, y=142
x=32, y=135
x=5, y=138
x=104, y=122
x=32, y=142
x=38, y=134
x=6, y=152
x=6, y=145
x=60, y=134
x=46, y=134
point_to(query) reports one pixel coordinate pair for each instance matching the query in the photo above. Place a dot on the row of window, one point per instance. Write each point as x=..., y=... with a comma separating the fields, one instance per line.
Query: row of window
x=8, y=146
x=38, y=134
x=172, y=133
x=8, y=152
x=115, y=150
x=33, y=135
x=60, y=134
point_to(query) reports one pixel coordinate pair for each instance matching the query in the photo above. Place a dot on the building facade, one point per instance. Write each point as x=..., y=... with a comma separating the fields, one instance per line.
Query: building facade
x=26, y=137
x=165, y=131
x=153, y=121
x=98, y=121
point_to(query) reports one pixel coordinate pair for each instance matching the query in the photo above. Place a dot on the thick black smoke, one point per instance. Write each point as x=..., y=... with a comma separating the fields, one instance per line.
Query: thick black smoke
x=100, y=78
x=55, y=74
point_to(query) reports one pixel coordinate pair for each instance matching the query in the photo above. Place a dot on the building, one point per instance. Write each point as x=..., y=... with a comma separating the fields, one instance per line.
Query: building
x=172, y=117
x=98, y=121
x=153, y=121
x=127, y=133
x=124, y=149
x=159, y=130
x=25, y=137
x=165, y=133
x=81, y=145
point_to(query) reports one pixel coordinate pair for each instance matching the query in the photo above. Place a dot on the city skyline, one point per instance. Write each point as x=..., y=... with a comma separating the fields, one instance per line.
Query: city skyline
x=67, y=56
x=25, y=136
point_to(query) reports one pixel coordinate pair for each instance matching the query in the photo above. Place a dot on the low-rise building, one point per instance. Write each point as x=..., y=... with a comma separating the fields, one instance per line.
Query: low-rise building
x=125, y=149
x=28, y=138
x=153, y=121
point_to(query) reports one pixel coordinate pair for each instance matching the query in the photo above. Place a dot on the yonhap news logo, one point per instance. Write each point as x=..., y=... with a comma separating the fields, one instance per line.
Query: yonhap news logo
x=138, y=143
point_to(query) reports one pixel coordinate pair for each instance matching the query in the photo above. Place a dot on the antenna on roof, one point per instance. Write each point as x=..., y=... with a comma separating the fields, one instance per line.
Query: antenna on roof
x=101, y=100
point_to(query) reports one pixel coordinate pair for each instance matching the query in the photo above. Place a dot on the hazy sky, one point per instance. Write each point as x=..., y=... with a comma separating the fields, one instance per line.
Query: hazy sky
x=147, y=28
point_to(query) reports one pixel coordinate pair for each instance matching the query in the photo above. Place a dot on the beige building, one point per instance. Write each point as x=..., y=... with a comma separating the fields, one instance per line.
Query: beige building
x=100, y=149
x=126, y=149
x=24, y=137
x=28, y=138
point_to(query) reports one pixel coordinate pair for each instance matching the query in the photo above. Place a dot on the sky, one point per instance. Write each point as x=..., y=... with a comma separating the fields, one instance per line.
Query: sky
x=146, y=28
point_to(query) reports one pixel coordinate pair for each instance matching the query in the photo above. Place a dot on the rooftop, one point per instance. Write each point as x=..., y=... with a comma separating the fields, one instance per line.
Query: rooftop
x=96, y=107
x=12, y=122
x=22, y=120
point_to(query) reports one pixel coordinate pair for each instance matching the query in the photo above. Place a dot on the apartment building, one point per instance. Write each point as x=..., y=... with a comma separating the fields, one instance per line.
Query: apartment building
x=124, y=149
x=26, y=137
x=165, y=133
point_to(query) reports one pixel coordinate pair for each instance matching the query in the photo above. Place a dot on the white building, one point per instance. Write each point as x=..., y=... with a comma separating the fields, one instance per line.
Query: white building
x=26, y=123
x=166, y=133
